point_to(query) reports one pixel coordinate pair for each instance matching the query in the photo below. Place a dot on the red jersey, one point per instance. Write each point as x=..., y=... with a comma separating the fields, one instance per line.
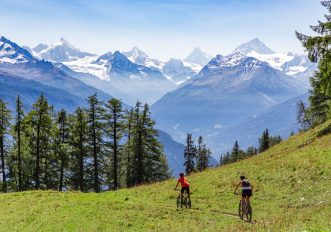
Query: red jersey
x=183, y=182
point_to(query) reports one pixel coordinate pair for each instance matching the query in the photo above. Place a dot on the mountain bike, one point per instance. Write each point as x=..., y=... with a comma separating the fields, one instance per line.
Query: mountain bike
x=245, y=209
x=183, y=201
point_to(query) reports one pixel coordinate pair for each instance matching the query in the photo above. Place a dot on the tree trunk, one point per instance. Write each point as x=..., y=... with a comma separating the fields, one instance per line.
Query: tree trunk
x=115, y=150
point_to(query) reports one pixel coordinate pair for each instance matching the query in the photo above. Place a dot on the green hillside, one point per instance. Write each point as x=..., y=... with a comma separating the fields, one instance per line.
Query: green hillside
x=292, y=182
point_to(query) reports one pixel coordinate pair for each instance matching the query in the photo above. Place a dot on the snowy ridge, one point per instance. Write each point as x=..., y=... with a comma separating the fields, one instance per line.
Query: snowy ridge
x=12, y=53
x=62, y=51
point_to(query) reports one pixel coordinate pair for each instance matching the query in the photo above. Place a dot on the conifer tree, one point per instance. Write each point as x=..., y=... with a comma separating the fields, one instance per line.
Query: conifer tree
x=149, y=161
x=273, y=140
x=190, y=154
x=236, y=153
x=5, y=117
x=203, y=155
x=95, y=125
x=78, y=138
x=62, y=144
x=18, y=138
x=114, y=120
x=264, y=141
x=40, y=135
x=251, y=151
x=128, y=151
x=319, y=50
x=304, y=117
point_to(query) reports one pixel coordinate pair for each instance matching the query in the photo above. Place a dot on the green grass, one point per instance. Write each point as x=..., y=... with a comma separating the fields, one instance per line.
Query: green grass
x=292, y=193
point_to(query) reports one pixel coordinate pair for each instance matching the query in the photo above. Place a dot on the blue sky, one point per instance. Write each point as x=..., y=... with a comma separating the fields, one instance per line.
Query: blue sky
x=162, y=29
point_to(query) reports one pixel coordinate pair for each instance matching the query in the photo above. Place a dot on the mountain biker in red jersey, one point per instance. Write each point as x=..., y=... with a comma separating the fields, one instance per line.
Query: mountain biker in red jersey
x=185, y=185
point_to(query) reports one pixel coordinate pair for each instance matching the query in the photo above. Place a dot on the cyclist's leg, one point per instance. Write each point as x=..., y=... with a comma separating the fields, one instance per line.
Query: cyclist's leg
x=247, y=199
x=188, y=192
x=181, y=194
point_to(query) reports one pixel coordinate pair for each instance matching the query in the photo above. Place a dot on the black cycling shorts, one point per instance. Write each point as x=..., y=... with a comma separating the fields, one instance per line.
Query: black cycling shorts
x=246, y=193
x=187, y=189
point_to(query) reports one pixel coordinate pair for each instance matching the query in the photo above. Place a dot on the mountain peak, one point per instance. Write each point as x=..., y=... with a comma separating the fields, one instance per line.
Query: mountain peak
x=10, y=52
x=61, y=51
x=136, y=55
x=197, y=56
x=254, y=45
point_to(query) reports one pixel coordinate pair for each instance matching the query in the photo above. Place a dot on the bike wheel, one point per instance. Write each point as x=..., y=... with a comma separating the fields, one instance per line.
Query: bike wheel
x=249, y=212
x=178, y=202
x=189, y=204
x=240, y=210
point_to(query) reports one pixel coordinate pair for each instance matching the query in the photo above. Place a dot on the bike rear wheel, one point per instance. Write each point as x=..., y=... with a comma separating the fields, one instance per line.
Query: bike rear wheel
x=248, y=212
x=240, y=210
x=179, y=205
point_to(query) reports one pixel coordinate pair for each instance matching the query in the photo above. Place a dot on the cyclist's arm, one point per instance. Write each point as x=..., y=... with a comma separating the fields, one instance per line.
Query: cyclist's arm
x=177, y=184
x=237, y=187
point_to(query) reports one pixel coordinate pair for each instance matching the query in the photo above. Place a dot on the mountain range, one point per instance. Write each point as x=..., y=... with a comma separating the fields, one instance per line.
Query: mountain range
x=201, y=94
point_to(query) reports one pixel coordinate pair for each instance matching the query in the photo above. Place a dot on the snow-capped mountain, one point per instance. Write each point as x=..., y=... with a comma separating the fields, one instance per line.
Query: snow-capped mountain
x=40, y=47
x=61, y=51
x=16, y=61
x=198, y=57
x=176, y=70
x=123, y=78
x=295, y=65
x=228, y=89
x=255, y=45
x=12, y=53
x=137, y=56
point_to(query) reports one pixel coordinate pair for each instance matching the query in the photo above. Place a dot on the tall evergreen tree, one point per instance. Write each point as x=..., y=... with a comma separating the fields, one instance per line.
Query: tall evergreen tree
x=236, y=153
x=114, y=117
x=78, y=139
x=154, y=161
x=5, y=117
x=129, y=162
x=190, y=154
x=319, y=50
x=40, y=135
x=95, y=125
x=18, y=137
x=62, y=144
x=203, y=155
x=264, y=141
x=149, y=161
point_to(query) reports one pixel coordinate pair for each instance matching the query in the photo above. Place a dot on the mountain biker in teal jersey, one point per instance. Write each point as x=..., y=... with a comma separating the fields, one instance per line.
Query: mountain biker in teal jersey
x=247, y=189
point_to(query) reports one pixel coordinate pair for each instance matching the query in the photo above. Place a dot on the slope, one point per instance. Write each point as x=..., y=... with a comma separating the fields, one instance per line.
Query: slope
x=291, y=183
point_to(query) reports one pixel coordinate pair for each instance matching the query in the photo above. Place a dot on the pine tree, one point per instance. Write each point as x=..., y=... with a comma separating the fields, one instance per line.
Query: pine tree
x=273, y=140
x=203, y=155
x=264, y=141
x=128, y=150
x=18, y=138
x=95, y=125
x=114, y=117
x=251, y=151
x=225, y=159
x=304, y=116
x=319, y=51
x=62, y=144
x=5, y=117
x=78, y=139
x=154, y=160
x=40, y=129
x=190, y=154
x=236, y=153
